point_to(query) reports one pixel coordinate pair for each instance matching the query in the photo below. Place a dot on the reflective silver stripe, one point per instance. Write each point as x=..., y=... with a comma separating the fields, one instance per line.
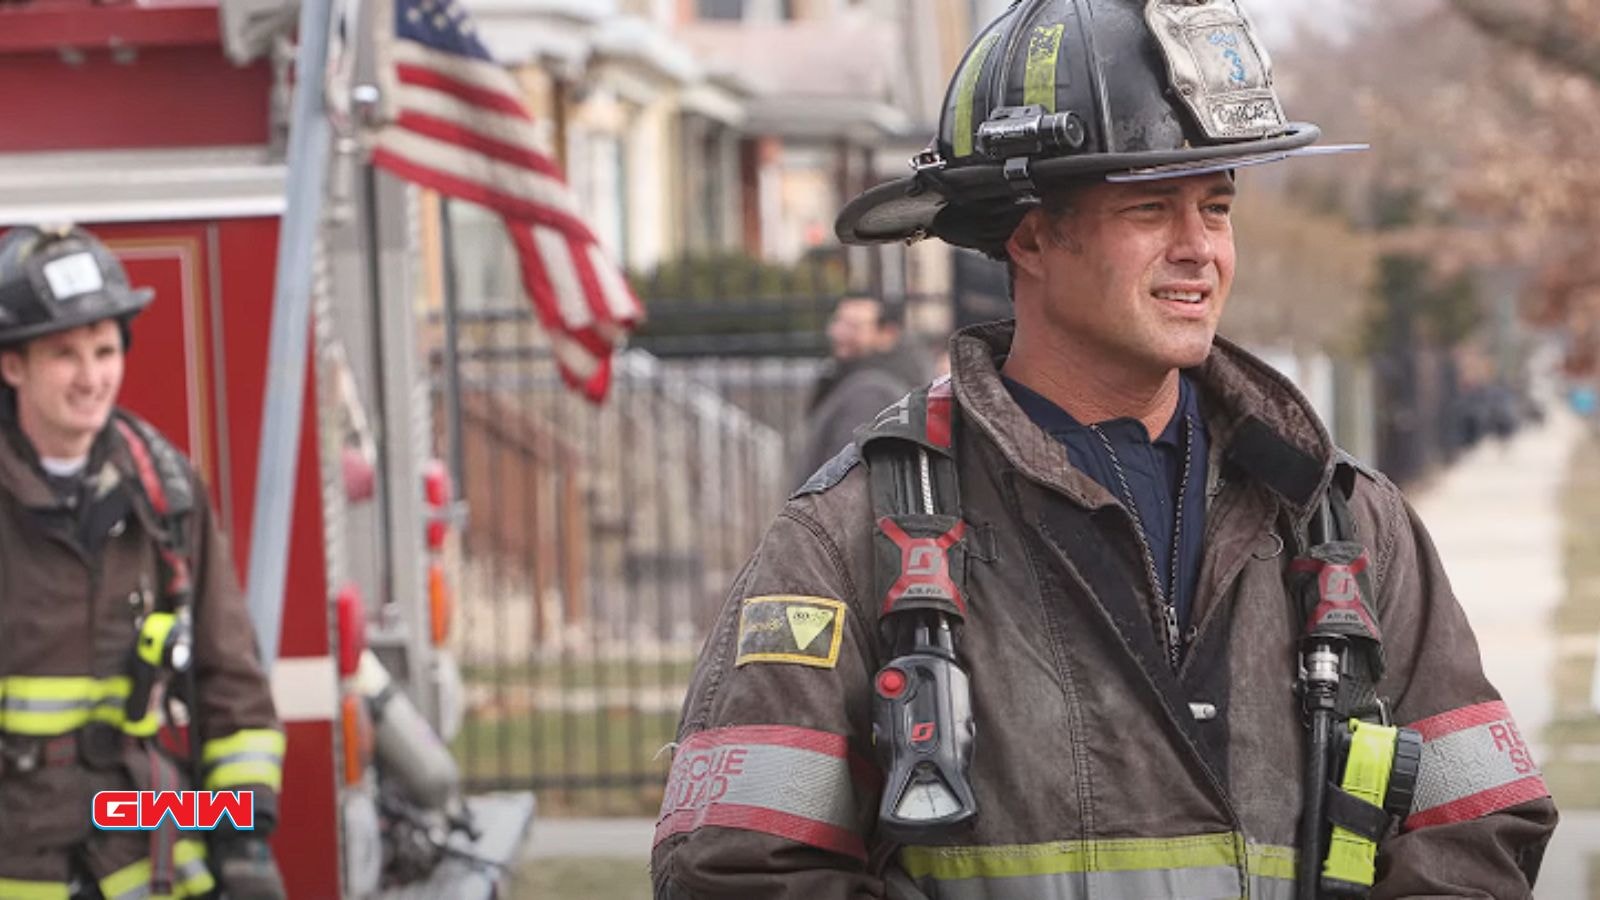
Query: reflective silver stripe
x=798, y=782
x=190, y=871
x=1474, y=762
x=1262, y=888
x=1218, y=883
x=1169, y=884
x=794, y=783
x=20, y=704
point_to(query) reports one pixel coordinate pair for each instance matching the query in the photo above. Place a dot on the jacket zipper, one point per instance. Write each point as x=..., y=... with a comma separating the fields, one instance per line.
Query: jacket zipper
x=1150, y=681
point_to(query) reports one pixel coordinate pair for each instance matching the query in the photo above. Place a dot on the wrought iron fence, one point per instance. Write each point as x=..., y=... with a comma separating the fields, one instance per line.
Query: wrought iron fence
x=600, y=541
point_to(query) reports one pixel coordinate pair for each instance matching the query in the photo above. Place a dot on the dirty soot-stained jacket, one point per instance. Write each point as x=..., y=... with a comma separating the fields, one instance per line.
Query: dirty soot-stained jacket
x=76, y=572
x=1092, y=775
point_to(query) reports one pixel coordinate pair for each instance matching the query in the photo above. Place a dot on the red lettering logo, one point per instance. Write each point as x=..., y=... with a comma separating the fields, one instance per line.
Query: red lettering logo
x=701, y=779
x=922, y=732
x=188, y=810
x=1509, y=741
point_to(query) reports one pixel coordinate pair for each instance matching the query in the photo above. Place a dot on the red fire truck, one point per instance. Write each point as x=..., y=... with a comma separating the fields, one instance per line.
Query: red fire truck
x=129, y=119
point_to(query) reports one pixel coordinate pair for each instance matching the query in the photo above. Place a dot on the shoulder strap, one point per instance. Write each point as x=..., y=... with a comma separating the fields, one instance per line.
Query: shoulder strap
x=165, y=486
x=1333, y=585
x=920, y=542
x=163, y=473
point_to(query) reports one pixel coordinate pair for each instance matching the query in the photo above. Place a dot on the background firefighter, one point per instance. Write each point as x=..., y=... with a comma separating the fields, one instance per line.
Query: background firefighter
x=1135, y=498
x=118, y=595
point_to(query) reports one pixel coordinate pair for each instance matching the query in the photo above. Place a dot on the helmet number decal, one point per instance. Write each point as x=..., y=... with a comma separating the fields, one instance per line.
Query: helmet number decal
x=1217, y=67
x=73, y=275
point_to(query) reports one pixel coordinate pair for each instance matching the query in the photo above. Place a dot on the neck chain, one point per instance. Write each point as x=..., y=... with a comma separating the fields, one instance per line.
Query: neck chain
x=1166, y=595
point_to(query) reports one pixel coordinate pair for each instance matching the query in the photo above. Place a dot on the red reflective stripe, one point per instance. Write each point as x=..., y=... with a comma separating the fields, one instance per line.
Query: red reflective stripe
x=766, y=821
x=1460, y=719
x=781, y=735
x=939, y=400
x=1480, y=804
x=793, y=783
x=1474, y=762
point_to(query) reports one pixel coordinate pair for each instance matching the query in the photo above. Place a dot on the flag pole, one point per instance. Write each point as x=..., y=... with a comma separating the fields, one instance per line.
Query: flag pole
x=310, y=136
x=452, y=340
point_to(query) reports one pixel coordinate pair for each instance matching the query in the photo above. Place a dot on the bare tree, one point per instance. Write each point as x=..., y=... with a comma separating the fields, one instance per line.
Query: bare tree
x=1562, y=33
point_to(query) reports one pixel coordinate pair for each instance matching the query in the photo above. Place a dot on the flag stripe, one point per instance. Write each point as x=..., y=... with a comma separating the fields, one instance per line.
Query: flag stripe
x=591, y=286
x=470, y=94
x=536, y=281
x=624, y=306
x=461, y=128
x=560, y=266
x=501, y=187
x=482, y=73
x=501, y=137
x=574, y=357
x=470, y=78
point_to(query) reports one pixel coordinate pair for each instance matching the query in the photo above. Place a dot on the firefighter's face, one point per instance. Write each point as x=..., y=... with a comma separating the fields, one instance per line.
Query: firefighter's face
x=1130, y=277
x=66, y=384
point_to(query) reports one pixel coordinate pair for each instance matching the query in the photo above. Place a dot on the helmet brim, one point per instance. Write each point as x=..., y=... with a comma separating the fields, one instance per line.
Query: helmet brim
x=907, y=208
x=114, y=305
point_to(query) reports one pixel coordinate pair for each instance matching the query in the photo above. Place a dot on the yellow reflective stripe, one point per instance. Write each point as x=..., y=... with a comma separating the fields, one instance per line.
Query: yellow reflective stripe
x=237, y=774
x=44, y=706
x=132, y=881
x=128, y=882
x=145, y=727
x=248, y=756
x=1116, y=855
x=15, y=889
x=966, y=90
x=1132, y=868
x=194, y=877
x=1039, y=79
x=245, y=740
x=1268, y=861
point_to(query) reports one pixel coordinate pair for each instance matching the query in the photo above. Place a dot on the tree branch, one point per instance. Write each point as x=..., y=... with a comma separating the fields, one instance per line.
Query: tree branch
x=1554, y=37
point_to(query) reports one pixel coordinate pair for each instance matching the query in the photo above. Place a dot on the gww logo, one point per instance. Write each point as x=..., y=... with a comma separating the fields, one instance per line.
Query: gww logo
x=189, y=810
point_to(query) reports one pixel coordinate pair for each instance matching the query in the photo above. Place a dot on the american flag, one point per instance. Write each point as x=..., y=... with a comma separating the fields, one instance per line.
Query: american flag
x=460, y=128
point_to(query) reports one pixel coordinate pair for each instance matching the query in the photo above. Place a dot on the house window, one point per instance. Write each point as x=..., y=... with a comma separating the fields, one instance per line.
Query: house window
x=732, y=10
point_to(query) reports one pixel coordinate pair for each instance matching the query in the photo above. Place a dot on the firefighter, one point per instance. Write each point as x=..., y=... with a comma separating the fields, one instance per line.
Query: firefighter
x=118, y=604
x=1099, y=531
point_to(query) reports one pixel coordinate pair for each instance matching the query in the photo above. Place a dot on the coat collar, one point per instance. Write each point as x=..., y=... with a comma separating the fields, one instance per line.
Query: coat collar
x=21, y=476
x=1258, y=419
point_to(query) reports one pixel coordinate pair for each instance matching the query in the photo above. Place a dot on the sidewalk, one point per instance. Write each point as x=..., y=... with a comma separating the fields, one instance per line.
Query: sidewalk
x=1496, y=519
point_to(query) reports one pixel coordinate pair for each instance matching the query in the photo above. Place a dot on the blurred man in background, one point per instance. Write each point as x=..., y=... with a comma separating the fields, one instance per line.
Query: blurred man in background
x=873, y=366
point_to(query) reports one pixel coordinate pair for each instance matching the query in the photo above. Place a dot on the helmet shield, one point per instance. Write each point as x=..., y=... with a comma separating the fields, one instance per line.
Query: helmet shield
x=1060, y=90
x=57, y=280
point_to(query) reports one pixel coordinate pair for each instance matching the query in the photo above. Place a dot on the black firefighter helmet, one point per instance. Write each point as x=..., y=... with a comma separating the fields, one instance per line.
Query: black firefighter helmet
x=56, y=279
x=1057, y=91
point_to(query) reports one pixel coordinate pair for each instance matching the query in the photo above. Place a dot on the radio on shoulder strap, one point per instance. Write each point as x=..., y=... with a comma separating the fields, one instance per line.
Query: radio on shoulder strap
x=922, y=722
x=1360, y=774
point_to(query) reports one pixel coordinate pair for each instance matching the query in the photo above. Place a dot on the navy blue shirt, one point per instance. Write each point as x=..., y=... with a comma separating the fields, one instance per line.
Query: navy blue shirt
x=1154, y=470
